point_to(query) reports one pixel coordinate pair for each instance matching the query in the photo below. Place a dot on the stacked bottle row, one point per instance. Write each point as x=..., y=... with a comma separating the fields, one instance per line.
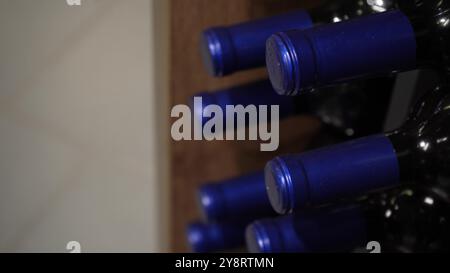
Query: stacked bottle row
x=339, y=64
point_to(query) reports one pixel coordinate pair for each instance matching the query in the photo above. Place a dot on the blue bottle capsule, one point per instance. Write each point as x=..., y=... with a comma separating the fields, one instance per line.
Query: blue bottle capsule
x=324, y=230
x=215, y=237
x=239, y=199
x=324, y=175
x=257, y=93
x=298, y=60
x=242, y=46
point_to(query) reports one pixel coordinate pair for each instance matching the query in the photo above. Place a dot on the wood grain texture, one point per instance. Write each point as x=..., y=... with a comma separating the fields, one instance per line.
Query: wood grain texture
x=196, y=162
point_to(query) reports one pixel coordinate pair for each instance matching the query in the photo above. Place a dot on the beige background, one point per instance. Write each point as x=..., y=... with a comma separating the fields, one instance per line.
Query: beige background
x=82, y=149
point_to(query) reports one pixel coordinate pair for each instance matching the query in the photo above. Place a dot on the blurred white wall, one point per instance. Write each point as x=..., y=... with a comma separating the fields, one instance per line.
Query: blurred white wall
x=81, y=152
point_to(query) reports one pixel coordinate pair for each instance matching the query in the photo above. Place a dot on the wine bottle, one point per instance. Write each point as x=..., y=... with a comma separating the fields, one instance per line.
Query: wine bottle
x=239, y=47
x=339, y=229
x=417, y=153
x=214, y=237
x=345, y=110
x=227, y=49
x=398, y=40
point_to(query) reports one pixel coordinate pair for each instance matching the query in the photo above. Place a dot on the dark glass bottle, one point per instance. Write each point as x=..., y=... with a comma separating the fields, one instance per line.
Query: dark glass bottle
x=414, y=37
x=227, y=49
x=345, y=110
x=417, y=153
x=337, y=11
x=418, y=220
x=337, y=229
x=214, y=237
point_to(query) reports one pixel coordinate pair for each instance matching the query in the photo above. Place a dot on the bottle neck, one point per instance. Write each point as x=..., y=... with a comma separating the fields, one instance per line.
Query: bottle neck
x=357, y=108
x=337, y=11
x=375, y=211
x=431, y=23
x=408, y=219
x=416, y=220
x=422, y=145
x=403, y=144
x=420, y=159
x=330, y=12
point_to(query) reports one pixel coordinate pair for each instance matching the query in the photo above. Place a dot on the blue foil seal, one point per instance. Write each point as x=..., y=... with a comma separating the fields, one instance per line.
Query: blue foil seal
x=239, y=199
x=340, y=171
x=298, y=60
x=321, y=230
x=273, y=236
x=215, y=237
x=238, y=47
x=256, y=93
